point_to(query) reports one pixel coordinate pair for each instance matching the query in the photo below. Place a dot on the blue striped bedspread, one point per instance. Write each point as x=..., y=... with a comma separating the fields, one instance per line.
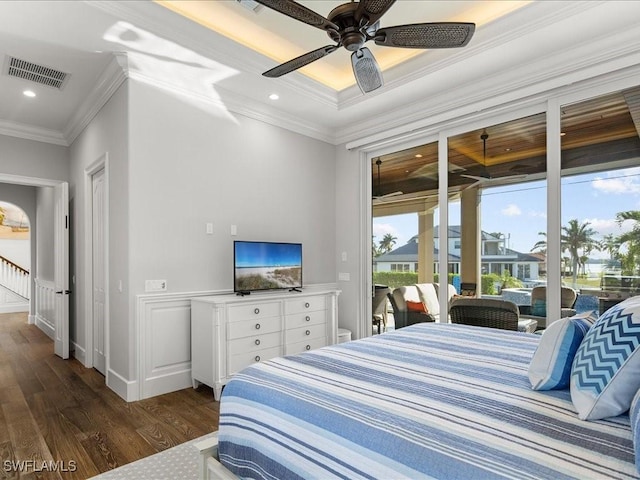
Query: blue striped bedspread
x=431, y=400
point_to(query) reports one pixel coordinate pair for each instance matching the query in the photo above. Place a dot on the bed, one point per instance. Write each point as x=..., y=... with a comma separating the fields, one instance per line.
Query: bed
x=427, y=401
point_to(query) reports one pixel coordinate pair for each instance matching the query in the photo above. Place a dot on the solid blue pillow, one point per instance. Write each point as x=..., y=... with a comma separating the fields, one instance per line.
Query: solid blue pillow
x=605, y=374
x=550, y=367
x=634, y=416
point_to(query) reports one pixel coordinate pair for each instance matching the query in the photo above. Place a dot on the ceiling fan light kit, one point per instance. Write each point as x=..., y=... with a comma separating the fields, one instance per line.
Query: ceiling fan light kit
x=353, y=24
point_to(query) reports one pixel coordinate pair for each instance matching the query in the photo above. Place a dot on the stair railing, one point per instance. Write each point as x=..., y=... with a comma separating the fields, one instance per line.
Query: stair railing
x=14, y=277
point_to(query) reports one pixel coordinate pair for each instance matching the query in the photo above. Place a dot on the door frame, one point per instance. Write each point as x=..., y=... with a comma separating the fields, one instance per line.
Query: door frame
x=101, y=163
x=60, y=267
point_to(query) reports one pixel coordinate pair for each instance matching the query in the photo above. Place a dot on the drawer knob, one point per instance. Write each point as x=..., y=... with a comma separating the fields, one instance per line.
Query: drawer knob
x=257, y=358
x=307, y=318
x=308, y=347
x=257, y=326
x=307, y=305
x=257, y=341
x=256, y=311
x=308, y=332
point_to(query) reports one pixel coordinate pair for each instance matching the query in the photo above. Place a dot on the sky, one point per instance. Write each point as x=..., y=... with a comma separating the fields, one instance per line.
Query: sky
x=519, y=211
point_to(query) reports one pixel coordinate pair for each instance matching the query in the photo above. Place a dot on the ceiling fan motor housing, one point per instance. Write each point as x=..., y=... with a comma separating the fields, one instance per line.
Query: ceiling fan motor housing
x=348, y=34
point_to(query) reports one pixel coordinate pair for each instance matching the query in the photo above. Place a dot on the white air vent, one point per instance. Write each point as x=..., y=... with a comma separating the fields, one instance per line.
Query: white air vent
x=35, y=73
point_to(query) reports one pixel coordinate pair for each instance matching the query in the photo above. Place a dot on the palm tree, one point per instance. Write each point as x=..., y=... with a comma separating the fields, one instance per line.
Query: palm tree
x=541, y=245
x=631, y=240
x=387, y=243
x=579, y=240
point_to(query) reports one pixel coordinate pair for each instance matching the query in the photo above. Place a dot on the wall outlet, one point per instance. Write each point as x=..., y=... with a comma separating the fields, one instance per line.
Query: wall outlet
x=155, y=286
x=209, y=228
x=345, y=277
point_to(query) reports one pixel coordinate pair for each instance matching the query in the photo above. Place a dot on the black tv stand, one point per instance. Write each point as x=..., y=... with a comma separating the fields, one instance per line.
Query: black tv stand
x=243, y=293
x=294, y=289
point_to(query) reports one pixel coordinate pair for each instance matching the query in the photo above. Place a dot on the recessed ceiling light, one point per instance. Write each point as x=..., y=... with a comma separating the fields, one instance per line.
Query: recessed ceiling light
x=418, y=155
x=274, y=96
x=29, y=93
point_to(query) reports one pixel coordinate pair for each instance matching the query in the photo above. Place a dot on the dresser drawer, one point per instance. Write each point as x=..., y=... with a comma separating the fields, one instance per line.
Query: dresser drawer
x=254, y=343
x=311, y=344
x=305, y=304
x=257, y=326
x=243, y=360
x=237, y=313
x=303, y=334
x=298, y=320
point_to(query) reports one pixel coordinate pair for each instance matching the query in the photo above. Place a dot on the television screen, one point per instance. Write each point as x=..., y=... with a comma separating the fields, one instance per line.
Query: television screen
x=266, y=266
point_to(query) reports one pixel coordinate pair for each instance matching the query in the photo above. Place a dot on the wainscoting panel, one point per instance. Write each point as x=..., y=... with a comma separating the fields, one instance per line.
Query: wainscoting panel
x=166, y=346
x=46, y=307
x=163, y=344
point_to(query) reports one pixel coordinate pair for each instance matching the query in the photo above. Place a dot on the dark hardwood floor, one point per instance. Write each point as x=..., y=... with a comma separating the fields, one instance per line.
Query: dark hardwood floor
x=59, y=415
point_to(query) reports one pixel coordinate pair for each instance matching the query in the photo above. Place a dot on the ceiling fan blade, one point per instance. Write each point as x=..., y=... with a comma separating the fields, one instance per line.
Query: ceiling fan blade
x=300, y=61
x=426, y=35
x=299, y=12
x=366, y=70
x=370, y=11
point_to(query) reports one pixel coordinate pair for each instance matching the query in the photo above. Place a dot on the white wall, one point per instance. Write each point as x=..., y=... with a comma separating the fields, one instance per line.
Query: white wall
x=106, y=134
x=29, y=158
x=45, y=252
x=190, y=166
x=33, y=159
x=172, y=168
x=349, y=216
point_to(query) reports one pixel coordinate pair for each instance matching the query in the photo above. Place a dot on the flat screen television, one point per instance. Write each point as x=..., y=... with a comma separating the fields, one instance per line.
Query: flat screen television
x=266, y=266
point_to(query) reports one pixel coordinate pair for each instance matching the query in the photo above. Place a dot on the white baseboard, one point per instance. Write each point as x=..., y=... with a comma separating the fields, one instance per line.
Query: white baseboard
x=14, y=307
x=46, y=327
x=128, y=390
x=79, y=353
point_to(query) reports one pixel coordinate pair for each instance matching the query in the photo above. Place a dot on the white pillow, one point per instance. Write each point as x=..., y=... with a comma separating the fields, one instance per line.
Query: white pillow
x=605, y=374
x=550, y=367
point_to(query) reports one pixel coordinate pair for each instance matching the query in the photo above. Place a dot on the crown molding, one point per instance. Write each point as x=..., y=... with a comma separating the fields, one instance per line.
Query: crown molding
x=603, y=55
x=29, y=132
x=279, y=118
x=110, y=80
x=162, y=21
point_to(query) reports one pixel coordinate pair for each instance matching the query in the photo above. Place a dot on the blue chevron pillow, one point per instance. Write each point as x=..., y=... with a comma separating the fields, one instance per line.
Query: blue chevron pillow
x=550, y=367
x=634, y=416
x=605, y=374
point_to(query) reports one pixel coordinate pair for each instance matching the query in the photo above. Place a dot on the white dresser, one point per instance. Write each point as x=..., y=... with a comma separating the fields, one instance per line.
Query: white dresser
x=231, y=332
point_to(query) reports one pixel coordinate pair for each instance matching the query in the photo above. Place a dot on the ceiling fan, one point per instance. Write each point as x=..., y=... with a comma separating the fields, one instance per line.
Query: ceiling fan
x=485, y=176
x=353, y=24
x=379, y=197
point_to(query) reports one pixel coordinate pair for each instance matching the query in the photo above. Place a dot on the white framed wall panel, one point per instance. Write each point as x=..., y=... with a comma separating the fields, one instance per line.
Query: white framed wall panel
x=165, y=344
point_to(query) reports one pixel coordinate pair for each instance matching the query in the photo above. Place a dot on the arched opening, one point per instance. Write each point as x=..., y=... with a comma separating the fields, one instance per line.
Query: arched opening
x=15, y=258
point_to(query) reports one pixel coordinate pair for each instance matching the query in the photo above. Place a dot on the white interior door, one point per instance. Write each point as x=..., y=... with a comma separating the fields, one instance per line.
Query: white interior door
x=61, y=274
x=98, y=268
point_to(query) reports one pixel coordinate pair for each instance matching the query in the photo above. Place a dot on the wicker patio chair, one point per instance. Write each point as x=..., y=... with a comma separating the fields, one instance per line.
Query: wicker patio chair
x=379, y=307
x=485, y=312
x=403, y=317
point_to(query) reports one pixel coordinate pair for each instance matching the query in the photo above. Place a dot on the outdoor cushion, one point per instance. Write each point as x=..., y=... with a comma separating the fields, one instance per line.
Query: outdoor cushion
x=606, y=369
x=429, y=297
x=550, y=367
x=416, y=307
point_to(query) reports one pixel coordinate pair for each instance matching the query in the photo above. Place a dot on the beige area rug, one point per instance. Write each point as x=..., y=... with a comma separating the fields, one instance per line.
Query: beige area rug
x=177, y=463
